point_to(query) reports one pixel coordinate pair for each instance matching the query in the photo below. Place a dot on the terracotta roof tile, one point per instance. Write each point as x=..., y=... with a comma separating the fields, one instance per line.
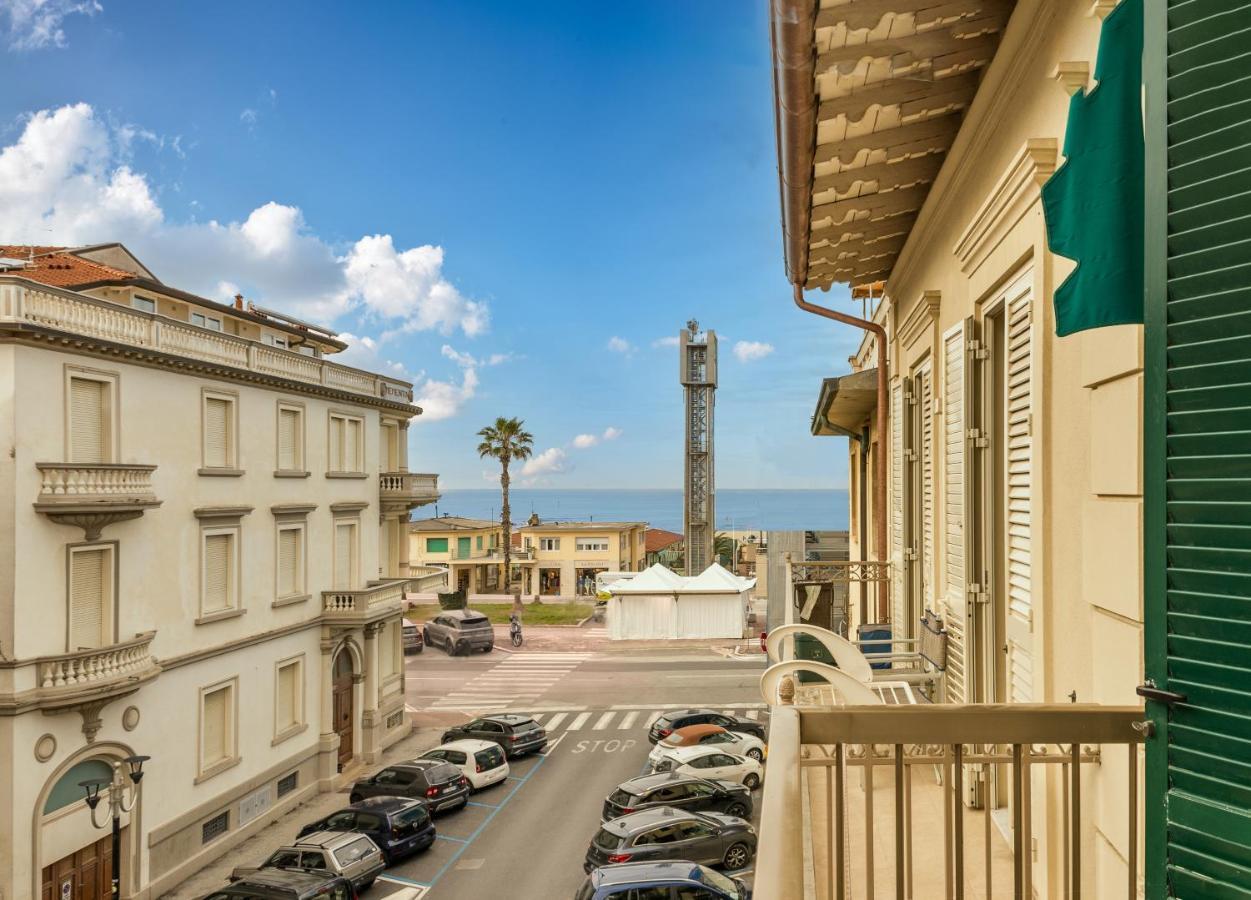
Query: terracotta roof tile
x=57, y=267
x=658, y=539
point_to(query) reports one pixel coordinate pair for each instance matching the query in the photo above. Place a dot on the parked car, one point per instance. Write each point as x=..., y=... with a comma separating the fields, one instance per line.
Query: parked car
x=680, y=718
x=398, y=826
x=685, y=880
x=670, y=834
x=714, y=764
x=680, y=791
x=460, y=630
x=517, y=734
x=413, y=641
x=482, y=762
x=440, y=784
x=354, y=856
x=735, y=742
x=286, y=884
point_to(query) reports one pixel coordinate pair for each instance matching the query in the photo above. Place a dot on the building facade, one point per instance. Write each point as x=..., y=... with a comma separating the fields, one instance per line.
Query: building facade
x=202, y=519
x=468, y=548
x=561, y=559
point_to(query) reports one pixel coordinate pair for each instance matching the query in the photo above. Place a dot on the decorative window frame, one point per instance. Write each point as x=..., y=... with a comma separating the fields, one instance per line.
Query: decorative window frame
x=346, y=416
x=233, y=469
x=112, y=414
x=222, y=520
x=301, y=711
x=347, y=513
x=205, y=772
x=112, y=581
x=301, y=470
x=291, y=517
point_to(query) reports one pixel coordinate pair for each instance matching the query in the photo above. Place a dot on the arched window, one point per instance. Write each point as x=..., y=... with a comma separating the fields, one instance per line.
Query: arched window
x=67, y=790
x=343, y=664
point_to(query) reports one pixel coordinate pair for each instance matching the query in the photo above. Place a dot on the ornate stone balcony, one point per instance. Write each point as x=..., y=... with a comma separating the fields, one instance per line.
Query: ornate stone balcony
x=427, y=579
x=94, y=495
x=407, y=490
x=378, y=600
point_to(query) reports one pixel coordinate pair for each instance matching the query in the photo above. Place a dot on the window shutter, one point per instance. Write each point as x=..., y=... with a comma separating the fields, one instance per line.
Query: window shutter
x=217, y=437
x=336, y=443
x=289, y=562
x=925, y=385
x=288, y=699
x=897, y=509
x=1019, y=472
x=89, y=625
x=352, y=447
x=289, y=440
x=88, y=430
x=343, y=535
x=216, y=728
x=217, y=571
x=955, y=506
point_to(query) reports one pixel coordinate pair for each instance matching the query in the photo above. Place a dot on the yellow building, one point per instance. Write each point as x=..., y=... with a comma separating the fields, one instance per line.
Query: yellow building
x=468, y=548
x=563, y=558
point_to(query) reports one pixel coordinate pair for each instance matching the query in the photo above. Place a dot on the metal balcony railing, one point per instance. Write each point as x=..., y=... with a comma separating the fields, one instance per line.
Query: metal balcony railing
x=910, y=801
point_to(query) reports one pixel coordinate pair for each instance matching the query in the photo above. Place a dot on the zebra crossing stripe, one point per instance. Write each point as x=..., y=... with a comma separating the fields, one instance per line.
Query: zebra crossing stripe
x=578, y=722
x=651, y=720
x=603, y=721
x=628, y=721
x=753, y=714
x=555, y=720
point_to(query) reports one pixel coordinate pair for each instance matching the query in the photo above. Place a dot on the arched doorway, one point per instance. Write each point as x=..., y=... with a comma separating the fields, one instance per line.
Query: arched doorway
x=342, y=691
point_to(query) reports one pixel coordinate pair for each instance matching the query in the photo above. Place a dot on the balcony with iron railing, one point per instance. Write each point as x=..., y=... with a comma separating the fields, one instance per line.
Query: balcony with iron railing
x=407, y=489
x=377, y=600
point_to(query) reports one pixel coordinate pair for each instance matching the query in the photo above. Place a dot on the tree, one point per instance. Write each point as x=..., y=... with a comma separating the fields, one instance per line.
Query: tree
x=505, y=441
x=723, y=547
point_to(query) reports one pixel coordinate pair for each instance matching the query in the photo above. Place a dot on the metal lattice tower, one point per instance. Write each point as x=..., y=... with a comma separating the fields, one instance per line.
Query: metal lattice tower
x=698, y=375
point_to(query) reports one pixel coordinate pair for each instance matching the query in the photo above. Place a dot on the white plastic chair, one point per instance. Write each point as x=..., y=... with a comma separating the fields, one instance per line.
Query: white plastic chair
x=847, y=656
x=850, y=691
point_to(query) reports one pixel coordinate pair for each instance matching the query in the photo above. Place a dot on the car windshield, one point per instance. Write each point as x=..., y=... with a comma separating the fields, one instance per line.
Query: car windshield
x=442, y=774
x=621, y=798
x=474, y=620
x=717, y=880
x=606, y=840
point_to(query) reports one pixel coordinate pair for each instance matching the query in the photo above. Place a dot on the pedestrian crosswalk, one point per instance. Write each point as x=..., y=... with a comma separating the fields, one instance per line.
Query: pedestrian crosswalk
x=596, y=631
x=625, y=719
x=516, y=682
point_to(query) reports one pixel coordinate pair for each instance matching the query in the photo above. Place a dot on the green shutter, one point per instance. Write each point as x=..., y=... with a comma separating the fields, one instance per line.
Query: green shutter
x=1198, y=447
x=436, y=545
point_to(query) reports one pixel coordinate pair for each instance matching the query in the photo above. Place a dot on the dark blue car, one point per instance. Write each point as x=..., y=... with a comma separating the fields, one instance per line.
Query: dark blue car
x=660, y=881
x=398, y=825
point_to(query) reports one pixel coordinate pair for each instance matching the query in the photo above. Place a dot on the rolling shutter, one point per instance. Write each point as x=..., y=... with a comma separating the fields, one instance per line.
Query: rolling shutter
x=352, y=447
x=925, y=392
x=1018, y=468
x=337, y=431
x=897, y=507
x=288, y=699
x=289, y=440
x=217, y=571
x=955, y=510
x=88, y=429
x=289, y=562
x=1198, y=474
x=89, y=615
x=215, y=731
x=343, y=538
x=217, y=437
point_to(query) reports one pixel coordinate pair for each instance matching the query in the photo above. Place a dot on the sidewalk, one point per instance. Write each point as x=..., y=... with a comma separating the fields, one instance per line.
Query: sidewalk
x=258, y=847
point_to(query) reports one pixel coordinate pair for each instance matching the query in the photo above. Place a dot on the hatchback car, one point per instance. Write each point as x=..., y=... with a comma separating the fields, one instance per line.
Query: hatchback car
x=518, y=735
x=460, y=630
x=714, y=764
x=413, y=641
x=286, y=884
x=680, y=718
x=734, y=742
x=398, y=826
x=438, y=783
x=354, y=856
x=680, y=791
x=680, y=880
x=482, y=762
x=670, y=834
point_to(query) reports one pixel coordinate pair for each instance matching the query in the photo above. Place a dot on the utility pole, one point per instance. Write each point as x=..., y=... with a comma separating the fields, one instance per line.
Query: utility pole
x=698, y=376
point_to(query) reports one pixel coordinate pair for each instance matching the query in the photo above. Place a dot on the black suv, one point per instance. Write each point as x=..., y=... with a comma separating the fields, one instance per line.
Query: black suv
x=684, y=792
x=518, y=735
x=439, y=783
x=680, y=718
x=286, y=884
x=397, y=825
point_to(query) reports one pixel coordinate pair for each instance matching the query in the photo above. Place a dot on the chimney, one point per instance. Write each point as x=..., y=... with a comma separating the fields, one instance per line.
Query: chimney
x=239, y=301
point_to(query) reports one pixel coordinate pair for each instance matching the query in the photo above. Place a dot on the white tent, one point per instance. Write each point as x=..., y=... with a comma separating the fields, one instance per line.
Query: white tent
x=659, y=604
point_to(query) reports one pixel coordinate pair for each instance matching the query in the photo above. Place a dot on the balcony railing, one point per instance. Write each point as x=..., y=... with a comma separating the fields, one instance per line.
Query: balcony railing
x=427, y=579
x=94, y=495
x=117, y=665
x=934, y=786
x=408, y=488
x=375, y=601
x=24, y=301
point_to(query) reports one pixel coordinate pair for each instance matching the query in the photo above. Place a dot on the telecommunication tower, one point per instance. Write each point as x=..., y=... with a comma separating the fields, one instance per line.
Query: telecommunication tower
x=698, y=376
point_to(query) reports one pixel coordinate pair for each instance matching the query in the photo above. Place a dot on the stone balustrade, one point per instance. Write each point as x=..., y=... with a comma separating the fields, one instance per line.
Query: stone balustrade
x=407, y=489
x=373, y=601
x=79, y=481
x=98, y=667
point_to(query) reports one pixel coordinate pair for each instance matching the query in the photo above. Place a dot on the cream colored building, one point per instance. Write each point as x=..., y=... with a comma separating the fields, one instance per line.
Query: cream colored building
x=561, y=559
x=468, y=548
x=203, y=561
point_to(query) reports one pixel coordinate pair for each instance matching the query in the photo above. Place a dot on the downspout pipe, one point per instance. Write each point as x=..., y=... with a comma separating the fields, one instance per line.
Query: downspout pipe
x=879, y=457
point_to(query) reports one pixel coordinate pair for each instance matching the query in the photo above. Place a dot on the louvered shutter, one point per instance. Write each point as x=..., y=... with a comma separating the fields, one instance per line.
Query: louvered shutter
x=217, y=436
x=337, y=431
x=925, y=391
x=343, y=535
x=352, y=447
x=288, y=704
x=215, y=731
x=289, y=440
x=897, y=507
x=217, y=571
x=1198, y=413
x=1018, y=470
x=289, y=562
x=89, y=614
x=88, y=428
x=955, y=510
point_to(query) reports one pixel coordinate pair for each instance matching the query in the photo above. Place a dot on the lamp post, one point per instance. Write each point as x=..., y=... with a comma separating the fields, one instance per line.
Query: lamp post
x=118, y=804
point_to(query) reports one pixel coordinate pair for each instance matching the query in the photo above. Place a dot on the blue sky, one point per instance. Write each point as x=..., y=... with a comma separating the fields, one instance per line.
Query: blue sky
x=509, y=203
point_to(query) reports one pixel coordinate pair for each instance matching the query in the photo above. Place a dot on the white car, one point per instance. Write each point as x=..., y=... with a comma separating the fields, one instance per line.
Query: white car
x=735, y=743
x=482, y=762
x=713, y=764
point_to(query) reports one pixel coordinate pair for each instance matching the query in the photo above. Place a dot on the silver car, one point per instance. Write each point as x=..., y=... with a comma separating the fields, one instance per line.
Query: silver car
x=460, y=630
x=354, y=856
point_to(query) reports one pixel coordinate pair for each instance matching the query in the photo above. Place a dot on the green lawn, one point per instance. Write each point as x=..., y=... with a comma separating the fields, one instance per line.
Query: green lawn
x=531, y=614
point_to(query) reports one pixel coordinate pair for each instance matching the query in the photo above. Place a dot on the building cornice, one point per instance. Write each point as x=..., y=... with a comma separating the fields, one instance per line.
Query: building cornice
x=922, y=316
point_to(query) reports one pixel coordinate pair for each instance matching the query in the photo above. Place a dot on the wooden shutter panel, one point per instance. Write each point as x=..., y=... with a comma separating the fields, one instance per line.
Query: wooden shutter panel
x=289, y=440
x=89, y=432
x=1019, y=474
x=955, y=509
x=337, y=432
x=289, y=581
x=89, y=614
x=352, y=447
x=288, y=702
x=217, y=571
x=217, y=433
x=925, y=388
x=215, y=733
x=897, y=506
x=343, y=556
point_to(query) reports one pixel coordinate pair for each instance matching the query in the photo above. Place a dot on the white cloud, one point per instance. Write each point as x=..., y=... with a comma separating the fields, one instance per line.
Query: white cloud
x=248, y=117
x=466, y=360
x=584, y=441
x=668, y=341
x=34, y=24
x=748, y=351
x=64, y=181
x=620, y=345
x=443, y=399
x=611, y=434
x=365, y=353
x=549, y=462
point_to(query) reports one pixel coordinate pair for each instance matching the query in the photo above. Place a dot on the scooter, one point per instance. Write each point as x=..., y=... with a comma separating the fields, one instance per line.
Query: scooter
x=514, y=631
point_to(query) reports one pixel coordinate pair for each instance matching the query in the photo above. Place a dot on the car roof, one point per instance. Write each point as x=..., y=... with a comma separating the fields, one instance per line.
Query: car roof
x=696, y=731
x=463, y=613
x=285, y=878
x=385, y=804
x=692, y=711
x=627, y=873
x=651, y=782
x=326, y=840
x=686, y=754
x=649, y=818
x=470, y=745
x=508, y=718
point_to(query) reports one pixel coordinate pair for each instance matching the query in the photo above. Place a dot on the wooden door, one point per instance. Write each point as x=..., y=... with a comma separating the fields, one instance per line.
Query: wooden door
x=343, y=712
x=84, y=875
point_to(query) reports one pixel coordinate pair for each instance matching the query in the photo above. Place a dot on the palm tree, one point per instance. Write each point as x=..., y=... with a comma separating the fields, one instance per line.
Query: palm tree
x=723, y=547
x=506, y=440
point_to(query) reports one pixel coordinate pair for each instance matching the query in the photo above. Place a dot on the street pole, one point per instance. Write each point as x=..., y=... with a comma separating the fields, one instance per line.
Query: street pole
x=118, y=804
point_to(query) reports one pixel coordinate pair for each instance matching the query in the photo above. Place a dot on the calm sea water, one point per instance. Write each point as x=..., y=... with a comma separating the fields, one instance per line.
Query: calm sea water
x=740, y=510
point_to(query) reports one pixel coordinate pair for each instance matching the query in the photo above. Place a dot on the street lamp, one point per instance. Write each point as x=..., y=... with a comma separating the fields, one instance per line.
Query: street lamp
x=118, y=804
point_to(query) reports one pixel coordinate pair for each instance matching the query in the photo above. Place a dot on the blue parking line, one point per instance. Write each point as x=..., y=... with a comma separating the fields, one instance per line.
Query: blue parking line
x=483, y=805
x=444, y=837
x=485, y=822
x=400, y=879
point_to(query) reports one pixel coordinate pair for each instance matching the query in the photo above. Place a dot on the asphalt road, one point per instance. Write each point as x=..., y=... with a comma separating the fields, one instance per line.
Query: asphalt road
x=525, y=839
